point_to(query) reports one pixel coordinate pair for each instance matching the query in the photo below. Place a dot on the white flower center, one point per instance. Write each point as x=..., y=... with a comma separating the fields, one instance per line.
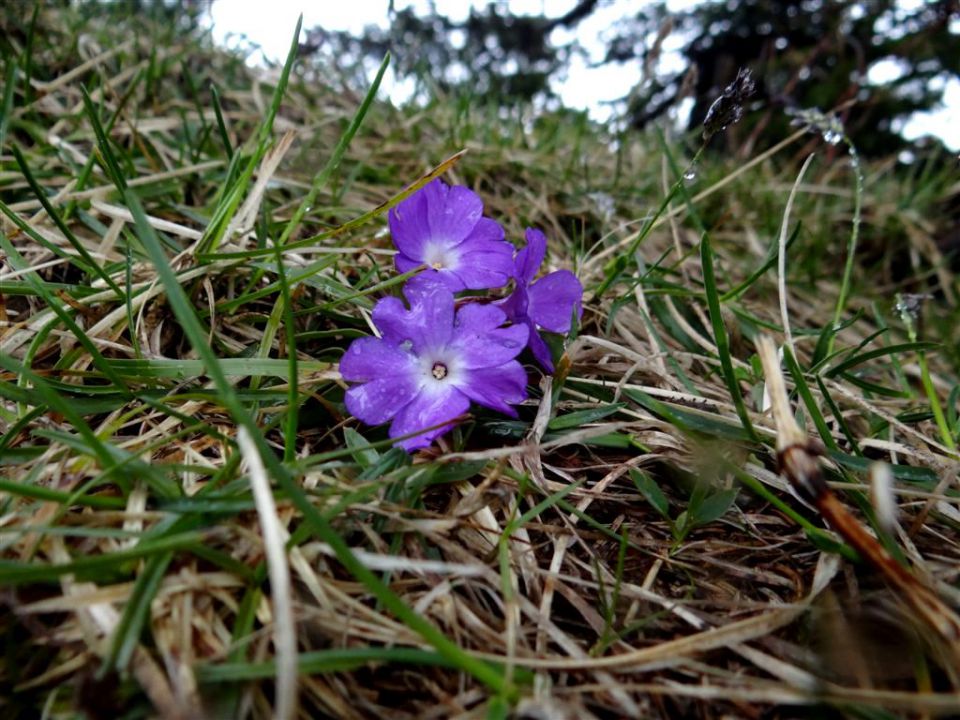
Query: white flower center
x=439, y=370
x=438, y=256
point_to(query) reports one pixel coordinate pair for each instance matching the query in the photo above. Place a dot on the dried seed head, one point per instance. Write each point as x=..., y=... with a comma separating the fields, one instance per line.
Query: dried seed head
x=728, y=108
x=800, y=464
x=909, y=307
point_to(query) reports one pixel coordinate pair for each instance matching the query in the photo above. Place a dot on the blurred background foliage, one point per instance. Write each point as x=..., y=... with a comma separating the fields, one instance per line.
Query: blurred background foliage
x=803, y=53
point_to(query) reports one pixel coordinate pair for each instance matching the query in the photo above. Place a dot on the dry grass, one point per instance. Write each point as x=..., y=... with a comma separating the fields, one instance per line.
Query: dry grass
x=627, y=549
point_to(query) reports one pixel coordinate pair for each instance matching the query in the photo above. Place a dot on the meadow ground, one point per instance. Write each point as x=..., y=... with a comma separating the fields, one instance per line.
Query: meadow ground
x=192, y=525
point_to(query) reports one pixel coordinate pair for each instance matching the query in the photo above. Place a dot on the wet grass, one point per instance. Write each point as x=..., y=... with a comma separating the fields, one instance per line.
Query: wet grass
x=191, y=525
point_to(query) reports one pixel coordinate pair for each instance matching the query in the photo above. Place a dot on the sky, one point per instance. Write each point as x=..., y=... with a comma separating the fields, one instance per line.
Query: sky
x=270, y=23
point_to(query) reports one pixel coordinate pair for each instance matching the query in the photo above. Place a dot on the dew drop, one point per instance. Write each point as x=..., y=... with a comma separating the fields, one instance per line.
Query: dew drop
x=406, y=345
x=832, y=136
x=690, y=175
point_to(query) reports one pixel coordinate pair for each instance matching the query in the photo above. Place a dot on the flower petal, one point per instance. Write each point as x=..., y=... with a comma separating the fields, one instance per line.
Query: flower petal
x=479, y=343
x=429, y=321
x=530, y=257
x=495, y=387
x=371, y=358
x=487, y=230
x=477, y=317
x=378, y=401
x=452, y=212
x=515, y=304
x=540, y=349
x=431, y=312
x=390, y=316
x=443, y=275
x=430, y=407
x=484, y=263
x=409, y=226
x=553, y=298
x=405, y=263
x=446, y=276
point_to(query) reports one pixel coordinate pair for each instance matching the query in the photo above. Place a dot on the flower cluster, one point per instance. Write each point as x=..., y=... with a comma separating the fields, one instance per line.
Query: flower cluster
x=434, y=357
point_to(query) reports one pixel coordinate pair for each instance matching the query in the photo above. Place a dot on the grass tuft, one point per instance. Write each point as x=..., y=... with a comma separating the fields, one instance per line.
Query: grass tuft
x=190, y=244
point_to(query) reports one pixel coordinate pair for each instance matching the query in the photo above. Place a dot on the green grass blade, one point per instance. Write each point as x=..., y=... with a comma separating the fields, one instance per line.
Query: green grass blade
x=720, y=336
x=221, y=124
x=320, y=662
x=89, y=264
x=6, y=109
x=186, y=315
x=803, y=389
x=323, y=177
x=771, y=260
x=231, y=201
x=845, y=284
x=852, y=362
x=110, y=458
x=136, y=612
x=20, y=573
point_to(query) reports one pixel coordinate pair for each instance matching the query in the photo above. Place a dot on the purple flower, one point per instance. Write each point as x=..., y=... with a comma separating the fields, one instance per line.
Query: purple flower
x=442, y=227
x=547, y=303
x=430, y=363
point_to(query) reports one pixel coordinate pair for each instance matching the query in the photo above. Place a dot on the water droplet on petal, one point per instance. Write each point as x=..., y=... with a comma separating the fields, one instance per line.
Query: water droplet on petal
x=406, y=345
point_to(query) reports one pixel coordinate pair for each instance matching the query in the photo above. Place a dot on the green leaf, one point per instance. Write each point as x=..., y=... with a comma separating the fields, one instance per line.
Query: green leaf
x=874, y=388
x=651, y=492
x=360, y=448
x=391, y=460
x=582, y=417
x=688, y=419
x=451, y=472
x=713, y=507
x=616, y=440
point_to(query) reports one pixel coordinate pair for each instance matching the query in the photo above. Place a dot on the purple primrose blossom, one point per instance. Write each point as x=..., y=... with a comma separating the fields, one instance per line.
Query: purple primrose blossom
x=547, y=303
x=431, y=361
x=443, y=227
